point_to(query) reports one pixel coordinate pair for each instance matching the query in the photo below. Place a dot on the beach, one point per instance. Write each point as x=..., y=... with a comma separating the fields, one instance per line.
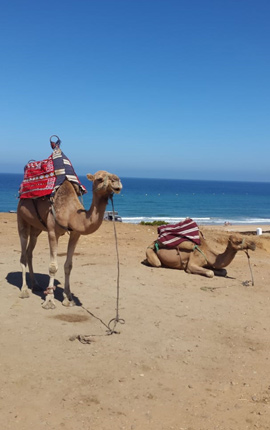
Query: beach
x=192, y=352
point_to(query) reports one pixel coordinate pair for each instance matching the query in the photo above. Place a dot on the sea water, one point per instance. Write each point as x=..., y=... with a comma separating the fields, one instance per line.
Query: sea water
x=172, y=200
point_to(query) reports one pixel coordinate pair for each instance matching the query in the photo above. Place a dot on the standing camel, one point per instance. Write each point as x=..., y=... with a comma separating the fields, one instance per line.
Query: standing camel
x=65, y=214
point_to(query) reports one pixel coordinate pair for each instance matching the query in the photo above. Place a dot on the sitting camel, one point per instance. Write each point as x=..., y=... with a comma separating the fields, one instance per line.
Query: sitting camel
x=66, y=213
x=198, y=260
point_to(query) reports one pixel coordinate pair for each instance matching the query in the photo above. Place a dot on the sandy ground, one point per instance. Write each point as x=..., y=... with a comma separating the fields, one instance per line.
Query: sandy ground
x=193, y=352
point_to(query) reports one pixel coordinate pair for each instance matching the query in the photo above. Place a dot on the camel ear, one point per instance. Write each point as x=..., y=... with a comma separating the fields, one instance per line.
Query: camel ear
x=90, y=177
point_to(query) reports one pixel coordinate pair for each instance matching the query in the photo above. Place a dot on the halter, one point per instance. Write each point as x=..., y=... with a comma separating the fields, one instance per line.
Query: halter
x=243, y=243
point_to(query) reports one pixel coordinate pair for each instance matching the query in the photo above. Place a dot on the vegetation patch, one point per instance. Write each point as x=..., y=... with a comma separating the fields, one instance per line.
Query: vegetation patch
x=157, y=223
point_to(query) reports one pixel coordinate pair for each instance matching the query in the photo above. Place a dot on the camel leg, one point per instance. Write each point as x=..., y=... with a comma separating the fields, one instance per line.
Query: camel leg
x=73, y=240
x=34, y=233
x=24, y=232
x=197, y=270
x=152, y=257
x=195, y=266
x=49, y=302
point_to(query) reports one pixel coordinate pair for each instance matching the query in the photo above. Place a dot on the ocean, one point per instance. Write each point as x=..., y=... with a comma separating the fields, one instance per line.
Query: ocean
x=172, y=200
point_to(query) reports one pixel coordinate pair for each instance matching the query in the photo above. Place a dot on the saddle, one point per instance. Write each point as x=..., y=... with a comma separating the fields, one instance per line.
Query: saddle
x=171, y=235
x=42, y=178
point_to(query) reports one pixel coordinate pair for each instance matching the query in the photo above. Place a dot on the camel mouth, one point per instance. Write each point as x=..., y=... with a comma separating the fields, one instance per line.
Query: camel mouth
x=116, y=190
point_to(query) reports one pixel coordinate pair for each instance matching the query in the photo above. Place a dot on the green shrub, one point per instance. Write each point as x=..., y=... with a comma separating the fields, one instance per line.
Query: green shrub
x=155, y=223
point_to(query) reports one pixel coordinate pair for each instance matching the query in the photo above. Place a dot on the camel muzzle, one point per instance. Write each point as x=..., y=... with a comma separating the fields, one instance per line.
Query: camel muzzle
x=116, y=189
x=245, y=245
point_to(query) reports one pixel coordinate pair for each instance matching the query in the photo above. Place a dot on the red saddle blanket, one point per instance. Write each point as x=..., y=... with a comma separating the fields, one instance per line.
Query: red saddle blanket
x=172, y=235
x=42, y=178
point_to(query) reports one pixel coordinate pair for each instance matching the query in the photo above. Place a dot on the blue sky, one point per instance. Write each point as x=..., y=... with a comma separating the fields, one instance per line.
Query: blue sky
x=141, y=88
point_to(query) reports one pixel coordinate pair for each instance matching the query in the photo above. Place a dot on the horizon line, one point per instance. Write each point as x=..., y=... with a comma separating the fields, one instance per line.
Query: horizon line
x=168, y=179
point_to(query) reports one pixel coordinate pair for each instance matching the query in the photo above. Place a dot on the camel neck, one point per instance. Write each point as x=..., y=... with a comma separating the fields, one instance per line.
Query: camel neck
x=94, y=216
x=224, y=259
x=74, y=215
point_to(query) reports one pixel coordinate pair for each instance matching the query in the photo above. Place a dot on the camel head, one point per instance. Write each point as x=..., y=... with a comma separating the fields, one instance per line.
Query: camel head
x=239, y=243
x=105, y=183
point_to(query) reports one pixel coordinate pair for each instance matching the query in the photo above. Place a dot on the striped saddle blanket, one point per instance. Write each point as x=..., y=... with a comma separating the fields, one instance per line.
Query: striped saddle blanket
x=42, y=178
x=172, y=235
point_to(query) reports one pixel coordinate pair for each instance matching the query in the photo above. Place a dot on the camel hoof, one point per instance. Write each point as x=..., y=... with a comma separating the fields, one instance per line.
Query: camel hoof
x=68, y=303
x=209, y=274
x=48, y=305
x=24, y=294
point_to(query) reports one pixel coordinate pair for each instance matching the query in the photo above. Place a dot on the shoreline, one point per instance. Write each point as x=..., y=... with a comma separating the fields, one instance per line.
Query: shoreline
x=241, y=228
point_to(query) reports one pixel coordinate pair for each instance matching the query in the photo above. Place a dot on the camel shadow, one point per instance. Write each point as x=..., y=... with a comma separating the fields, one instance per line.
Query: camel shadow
x=15, y=278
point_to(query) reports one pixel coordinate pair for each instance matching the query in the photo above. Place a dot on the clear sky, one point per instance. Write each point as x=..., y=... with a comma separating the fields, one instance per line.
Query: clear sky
x=141, y=88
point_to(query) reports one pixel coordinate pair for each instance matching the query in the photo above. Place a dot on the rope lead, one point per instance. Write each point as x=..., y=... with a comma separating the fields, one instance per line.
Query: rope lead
x=252, y=278
x=116, y=319
x=85, y=338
